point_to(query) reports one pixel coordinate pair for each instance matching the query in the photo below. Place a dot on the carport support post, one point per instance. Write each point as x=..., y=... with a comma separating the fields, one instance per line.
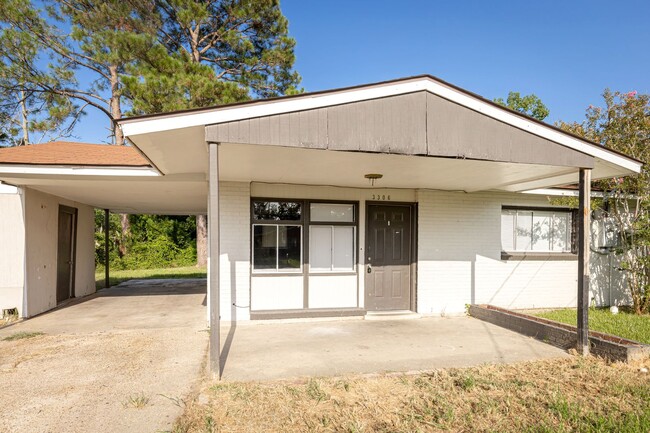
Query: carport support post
x=584, y=227
x=107, y=280
x=213, y=257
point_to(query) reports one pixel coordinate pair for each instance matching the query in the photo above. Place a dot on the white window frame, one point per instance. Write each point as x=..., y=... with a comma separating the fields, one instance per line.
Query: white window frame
x=532, y=210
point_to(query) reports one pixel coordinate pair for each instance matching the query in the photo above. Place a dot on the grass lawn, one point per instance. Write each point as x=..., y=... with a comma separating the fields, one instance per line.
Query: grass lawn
x=116, y=277
x=567, y=395
x=623, y=324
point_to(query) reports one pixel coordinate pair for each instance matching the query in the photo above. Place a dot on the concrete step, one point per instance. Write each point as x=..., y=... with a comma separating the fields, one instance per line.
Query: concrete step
x=392, y=315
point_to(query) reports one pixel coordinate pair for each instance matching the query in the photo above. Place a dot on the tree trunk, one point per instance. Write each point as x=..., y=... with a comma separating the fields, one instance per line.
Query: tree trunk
x=116, y=113
x=201, y=220
x=201, y=240
x=126, y=233
x=116, y=110
x=25, y=125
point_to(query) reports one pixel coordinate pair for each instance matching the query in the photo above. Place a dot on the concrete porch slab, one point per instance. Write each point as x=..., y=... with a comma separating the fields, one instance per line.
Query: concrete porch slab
x=269, y=351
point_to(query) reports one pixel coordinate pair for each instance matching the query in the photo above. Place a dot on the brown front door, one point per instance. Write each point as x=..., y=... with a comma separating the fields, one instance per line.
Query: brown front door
x=388, y=257
x=66, y=253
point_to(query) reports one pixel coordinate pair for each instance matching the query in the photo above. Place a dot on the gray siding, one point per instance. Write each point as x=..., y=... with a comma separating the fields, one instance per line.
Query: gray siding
x=414, y=124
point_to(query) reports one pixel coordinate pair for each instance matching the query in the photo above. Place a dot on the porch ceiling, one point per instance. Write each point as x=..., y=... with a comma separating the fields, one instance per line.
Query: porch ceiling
x=163, y=195
x=275, y=164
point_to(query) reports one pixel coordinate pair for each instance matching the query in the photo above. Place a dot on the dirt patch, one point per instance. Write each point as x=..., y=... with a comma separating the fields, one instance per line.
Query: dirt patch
x=84, y=383
x=572, y=394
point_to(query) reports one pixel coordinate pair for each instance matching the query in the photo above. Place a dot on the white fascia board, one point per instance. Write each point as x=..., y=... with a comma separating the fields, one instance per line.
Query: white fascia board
x=268, y=108
x=77, y=171
x=559, y=192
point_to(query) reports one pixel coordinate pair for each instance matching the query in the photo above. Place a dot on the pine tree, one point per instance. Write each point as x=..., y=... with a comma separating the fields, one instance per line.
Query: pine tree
x=215, y=52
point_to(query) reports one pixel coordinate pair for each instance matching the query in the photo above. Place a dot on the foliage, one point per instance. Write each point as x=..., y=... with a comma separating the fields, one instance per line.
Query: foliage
x=25, y=109
x=625, y=324
x=154, y=242
x=623, y=125
x=96, y=39
x=212, y=53
x=527, y=104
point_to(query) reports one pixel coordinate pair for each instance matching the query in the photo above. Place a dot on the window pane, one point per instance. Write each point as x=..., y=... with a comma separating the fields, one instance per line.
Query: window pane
x=289, y=243
x=508, y=230
x=277, y=211
x=326, y=212
x=523, y=231
x=542, y=231
x=343, y=248
x=320, y=248
x=561, y=232
x=265, y=247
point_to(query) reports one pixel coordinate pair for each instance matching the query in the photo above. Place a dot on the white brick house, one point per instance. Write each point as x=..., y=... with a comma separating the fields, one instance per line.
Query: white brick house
x=409, y=195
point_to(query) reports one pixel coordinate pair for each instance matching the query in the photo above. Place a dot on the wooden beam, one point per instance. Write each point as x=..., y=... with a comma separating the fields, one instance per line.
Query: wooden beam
x=107, y=226
x=213, y=258
x=584, y=227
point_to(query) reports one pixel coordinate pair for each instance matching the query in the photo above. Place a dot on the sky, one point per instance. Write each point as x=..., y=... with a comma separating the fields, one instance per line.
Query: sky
x=565, y=52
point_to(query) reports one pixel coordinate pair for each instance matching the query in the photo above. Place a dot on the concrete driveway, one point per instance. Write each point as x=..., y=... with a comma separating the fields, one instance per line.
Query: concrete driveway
x=142, y=343
x=268, y=351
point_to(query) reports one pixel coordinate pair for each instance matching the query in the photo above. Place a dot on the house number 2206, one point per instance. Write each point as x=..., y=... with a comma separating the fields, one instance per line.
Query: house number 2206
x=381, y=197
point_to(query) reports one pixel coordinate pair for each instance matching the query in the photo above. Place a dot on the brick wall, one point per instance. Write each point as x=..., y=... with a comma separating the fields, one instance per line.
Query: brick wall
x=459, y=253
x=234, y=230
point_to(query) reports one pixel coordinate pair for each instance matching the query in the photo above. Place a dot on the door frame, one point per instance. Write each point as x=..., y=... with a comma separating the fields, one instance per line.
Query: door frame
x=73, y=270
x=414, y=247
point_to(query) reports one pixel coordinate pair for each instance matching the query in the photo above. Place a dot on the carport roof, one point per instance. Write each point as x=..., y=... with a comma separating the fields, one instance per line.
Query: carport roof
x=66, y=153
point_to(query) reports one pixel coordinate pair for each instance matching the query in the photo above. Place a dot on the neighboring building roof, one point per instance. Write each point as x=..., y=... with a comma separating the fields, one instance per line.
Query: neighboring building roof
x=73, y=154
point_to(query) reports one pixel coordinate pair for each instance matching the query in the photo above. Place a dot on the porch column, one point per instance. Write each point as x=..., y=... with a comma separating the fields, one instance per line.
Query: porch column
x=107, y=226
x=584, y=227
x=213, y=257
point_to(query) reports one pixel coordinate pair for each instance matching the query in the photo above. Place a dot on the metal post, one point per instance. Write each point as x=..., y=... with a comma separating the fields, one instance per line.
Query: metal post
x=107, y=281
x=213, y=258
x=584, y=227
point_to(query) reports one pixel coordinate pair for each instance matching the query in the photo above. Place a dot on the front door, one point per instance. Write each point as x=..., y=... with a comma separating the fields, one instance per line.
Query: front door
x=66, y=254
x=388, y=257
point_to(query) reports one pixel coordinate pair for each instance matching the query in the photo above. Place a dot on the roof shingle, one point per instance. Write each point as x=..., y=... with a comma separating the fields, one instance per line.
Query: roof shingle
x=72, y=153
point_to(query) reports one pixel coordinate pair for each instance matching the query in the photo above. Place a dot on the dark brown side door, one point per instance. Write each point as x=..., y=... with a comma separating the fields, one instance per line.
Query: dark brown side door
x=388, y=257
x=66, y=253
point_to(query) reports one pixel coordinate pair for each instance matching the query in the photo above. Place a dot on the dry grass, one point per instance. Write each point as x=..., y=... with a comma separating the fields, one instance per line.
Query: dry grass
x=575, y=394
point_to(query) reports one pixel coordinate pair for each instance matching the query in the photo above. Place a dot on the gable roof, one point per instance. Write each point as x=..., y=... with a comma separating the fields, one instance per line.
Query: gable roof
x=141, y=125
x=67, y=153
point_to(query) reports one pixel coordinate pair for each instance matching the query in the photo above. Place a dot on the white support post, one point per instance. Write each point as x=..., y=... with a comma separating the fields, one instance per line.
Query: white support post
x=584, y=227
x=213, y=261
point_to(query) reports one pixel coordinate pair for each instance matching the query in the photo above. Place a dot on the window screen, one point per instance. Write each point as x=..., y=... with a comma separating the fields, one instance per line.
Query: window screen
x=535, y=230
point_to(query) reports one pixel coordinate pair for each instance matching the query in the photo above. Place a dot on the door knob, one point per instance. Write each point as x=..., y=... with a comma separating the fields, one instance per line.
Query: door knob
x=369, y=269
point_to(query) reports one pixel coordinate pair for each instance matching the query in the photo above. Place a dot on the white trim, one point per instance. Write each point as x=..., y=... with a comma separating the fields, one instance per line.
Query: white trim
x=8, y=189
x=77, y=171
x=166, y=122
x=560, y=192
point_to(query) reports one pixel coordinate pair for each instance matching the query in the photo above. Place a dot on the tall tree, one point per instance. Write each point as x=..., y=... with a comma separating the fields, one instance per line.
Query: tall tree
x=527, y=104
x=96, y=39
x=25, y=110
x=216, y=52
x=623, y=124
